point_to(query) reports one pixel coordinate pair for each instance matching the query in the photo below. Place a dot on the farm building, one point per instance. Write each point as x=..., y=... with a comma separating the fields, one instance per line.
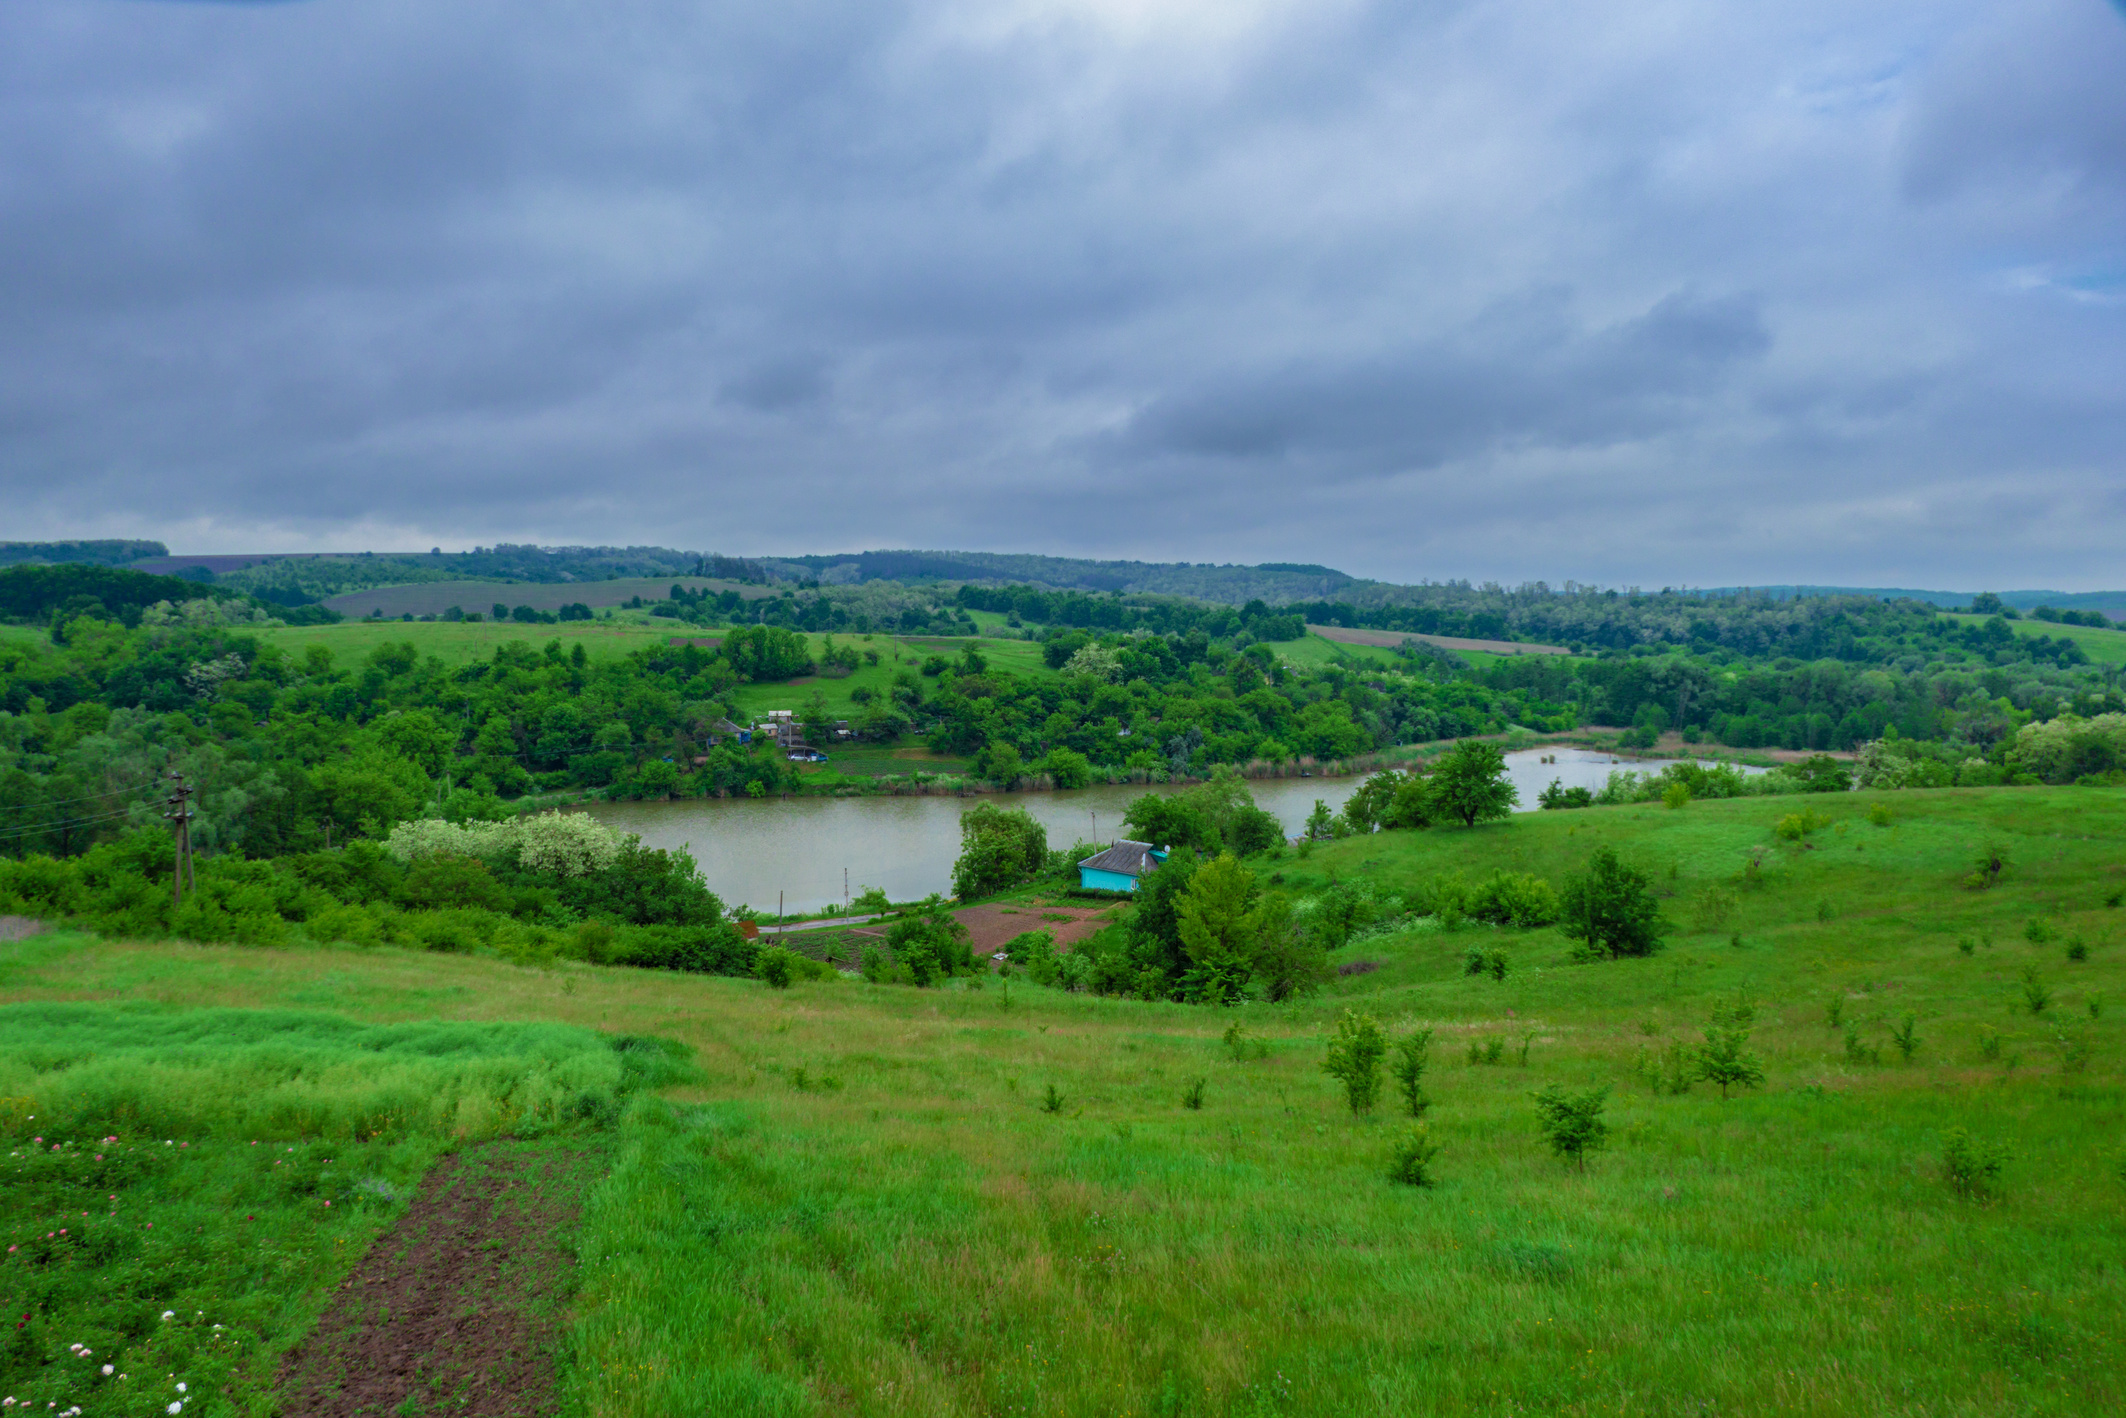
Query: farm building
x=1118, y=868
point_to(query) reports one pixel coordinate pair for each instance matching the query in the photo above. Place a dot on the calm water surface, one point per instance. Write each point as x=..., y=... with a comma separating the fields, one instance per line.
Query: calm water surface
x=802, y=847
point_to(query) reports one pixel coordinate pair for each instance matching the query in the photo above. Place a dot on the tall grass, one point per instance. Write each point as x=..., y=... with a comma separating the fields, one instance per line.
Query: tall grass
x=78, y=1069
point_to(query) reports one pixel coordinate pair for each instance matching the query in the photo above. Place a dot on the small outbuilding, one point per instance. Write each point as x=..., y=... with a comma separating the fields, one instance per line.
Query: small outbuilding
x=1118, y=868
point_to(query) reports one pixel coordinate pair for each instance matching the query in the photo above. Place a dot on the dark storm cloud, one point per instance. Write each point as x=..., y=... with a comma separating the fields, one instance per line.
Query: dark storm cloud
x=1530, y=382
x=1671, y=293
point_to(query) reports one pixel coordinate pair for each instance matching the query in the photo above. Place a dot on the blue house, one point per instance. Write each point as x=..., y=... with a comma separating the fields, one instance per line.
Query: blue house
x=1118, y=868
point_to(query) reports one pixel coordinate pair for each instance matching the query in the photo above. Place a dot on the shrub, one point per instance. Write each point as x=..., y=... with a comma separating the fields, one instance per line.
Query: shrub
x=1192, y=1096
x=1834, y=1012
x=1675, y=795
x=1989, y=1045
x=1572, y=1122
x=1478, y=961
x=1671, y=1071
x=1987, y=870
x=931, y=947
x=2038, y=933
x=1515, y=899
x=1354, y=1056
x=1970, y=1166
x=1611, y=909
x=1879, y=814
x=870, y=901
x=2077, y=948
x=1712, y=908
x=1410, y=1161
x=1035, y=953
x=1242, y=1045
x=1858, y=1052
x=1412, y=1054
x=1052, y=1100
x=875, y=965
x=2036, y=993
x=1797, y=825
x=1905, y=1037
x=1486, y=1051
x=775, y=966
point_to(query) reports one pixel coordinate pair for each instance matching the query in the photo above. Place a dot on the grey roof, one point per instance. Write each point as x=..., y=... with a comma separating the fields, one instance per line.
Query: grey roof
x=1124, y=858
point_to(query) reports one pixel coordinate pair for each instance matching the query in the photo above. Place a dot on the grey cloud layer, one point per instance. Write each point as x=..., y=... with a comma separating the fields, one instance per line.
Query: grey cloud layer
x=1678, y=292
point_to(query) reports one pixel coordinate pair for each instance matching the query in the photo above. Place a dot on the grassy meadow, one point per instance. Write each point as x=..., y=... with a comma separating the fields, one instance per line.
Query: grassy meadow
x=861, y=1202
x=2103, y=645
x=459, y=643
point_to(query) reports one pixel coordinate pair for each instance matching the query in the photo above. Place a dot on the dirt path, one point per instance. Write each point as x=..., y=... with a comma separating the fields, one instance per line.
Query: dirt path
x=456, y=1308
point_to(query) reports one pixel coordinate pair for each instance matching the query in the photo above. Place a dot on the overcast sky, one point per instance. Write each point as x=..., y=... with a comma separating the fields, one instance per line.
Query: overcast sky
x=1652, y=293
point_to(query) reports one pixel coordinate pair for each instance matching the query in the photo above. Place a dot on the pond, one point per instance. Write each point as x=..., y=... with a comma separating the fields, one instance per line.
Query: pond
x=806, y=850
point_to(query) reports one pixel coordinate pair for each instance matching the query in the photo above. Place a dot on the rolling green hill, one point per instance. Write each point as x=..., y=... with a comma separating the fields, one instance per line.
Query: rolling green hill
x=979, y=1200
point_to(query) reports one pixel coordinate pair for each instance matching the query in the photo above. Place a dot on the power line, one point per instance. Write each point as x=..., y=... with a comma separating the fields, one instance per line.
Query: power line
x=36, y=827
x=85, y=797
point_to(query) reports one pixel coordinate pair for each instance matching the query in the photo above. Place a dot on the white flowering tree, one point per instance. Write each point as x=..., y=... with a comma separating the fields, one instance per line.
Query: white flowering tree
x=555, y=843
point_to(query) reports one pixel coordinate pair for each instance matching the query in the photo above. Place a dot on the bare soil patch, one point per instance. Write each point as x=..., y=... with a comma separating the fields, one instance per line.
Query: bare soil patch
x=1392, y=638
x=457, y=1308
x=991, y=926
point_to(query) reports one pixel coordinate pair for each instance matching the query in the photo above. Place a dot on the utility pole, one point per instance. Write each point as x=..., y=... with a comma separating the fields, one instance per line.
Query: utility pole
x=845, y=888
x=179, y=812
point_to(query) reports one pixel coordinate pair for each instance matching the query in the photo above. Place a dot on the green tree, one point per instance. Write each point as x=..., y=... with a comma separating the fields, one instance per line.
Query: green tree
x=1289, y=961
x=999, y=763
x=1218, y=930
x=1470, y=783
x=1724, y=1059
x=1067, y=767
x=1355, y=1052
x=1321, y=823
x=814, y=721
x=1572, y=1122
x=999, y=849
x=1611, y=908
x=1412, y=1056
x=1155, y=920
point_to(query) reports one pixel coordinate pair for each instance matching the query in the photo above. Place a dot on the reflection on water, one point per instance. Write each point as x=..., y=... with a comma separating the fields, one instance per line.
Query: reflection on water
x=802, y=847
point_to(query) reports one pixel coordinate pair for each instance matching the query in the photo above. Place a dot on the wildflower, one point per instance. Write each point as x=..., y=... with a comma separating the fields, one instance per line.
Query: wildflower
x=169, y=1314
x=181, y=1387
x=107, y=1369
x=175, y=1408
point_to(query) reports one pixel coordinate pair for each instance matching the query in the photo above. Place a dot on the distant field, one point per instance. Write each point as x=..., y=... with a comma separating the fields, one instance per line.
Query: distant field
x=2105, y=647
x=1445, y=642
x=896, y=654
x=456, y=643
x=1314, y=651
x=436, y=597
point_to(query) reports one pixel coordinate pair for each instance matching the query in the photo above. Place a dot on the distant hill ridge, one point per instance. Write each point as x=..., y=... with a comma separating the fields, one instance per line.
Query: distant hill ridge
x=299, y=577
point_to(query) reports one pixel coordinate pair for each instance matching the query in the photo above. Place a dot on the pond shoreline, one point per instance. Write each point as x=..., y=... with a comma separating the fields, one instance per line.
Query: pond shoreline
x=911, y=785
